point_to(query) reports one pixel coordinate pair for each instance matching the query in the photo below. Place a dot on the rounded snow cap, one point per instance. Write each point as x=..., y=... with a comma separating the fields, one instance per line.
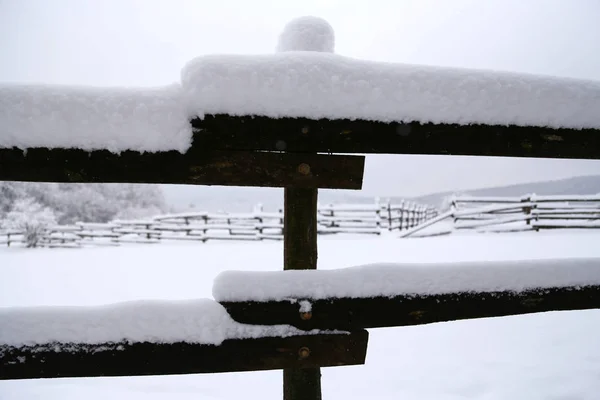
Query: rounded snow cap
x=307, y=34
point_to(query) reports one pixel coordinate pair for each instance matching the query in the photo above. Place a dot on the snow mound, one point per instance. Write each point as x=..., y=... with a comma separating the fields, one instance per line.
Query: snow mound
x=406, y=279
x=91, y=118
x=200, y=321
x=307, y=34
x=324, y=85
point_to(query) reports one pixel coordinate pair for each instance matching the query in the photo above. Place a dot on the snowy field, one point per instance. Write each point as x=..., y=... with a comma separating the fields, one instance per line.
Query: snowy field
x=542, y=356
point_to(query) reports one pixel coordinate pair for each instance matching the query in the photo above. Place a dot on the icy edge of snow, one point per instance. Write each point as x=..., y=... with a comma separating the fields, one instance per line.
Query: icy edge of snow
x=200, y=321
x=389, y=279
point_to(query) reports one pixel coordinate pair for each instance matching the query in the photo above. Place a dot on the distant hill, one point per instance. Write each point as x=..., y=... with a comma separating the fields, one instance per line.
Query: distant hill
x=577, y=185
x=243, y=199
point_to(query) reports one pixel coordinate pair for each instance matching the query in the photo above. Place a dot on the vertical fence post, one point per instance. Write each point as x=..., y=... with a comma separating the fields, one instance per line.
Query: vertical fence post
x=300, y=252
x=378, y=218
x=454, y=208
x=401, y=225
x=536, y=217
x=390, y=221
x=527, y=210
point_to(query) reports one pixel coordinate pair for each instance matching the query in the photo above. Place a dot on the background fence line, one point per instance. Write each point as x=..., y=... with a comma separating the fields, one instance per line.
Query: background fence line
x=529, y=212
x=512, y=214
x=203, y=226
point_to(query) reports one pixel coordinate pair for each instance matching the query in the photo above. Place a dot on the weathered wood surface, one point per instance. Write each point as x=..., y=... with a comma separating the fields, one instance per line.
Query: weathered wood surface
x=358, y=136
x=300, y=252
x=361, y=313
x=237, y=168
x=70, y=360
x=300, y=229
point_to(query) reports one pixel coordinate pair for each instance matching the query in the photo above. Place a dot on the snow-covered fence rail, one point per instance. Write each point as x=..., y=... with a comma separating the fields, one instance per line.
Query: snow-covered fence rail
x=11, y=237
x=386, y=295
x=204, y=226
x=529, y=212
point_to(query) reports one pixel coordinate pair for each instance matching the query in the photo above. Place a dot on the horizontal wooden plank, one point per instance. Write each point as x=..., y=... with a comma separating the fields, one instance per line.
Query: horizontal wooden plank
x=123, y=359
x=357, y=136
x=361, y=313
x=232, y=168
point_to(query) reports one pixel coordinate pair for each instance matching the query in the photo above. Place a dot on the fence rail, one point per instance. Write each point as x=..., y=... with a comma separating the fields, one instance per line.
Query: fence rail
x=203, y=226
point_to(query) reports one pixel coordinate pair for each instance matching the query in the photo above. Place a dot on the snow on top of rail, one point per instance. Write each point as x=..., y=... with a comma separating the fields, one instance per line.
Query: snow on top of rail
x=193, y=321
x=91, y=118
x=323, y=85
x=305, y=79
x=406, y=279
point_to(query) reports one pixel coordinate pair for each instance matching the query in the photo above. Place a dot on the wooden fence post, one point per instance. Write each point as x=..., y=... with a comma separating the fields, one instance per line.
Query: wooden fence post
x=300, y=252
x=402, y=205
x=527, y=210
x=378, y=213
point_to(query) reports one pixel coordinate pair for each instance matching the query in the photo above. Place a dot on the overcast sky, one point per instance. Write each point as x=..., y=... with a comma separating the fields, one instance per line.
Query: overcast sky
x=146, y=42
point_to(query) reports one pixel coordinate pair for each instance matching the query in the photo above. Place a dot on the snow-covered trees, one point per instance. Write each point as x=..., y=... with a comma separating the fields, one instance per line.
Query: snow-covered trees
x=32, y=207
x=30, y=217
x=71, y=203
x=9, y=193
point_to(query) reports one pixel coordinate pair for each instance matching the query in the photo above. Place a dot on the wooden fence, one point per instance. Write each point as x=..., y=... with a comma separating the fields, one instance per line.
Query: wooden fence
x=332, y=219
x=513, y=214
x=529, y=212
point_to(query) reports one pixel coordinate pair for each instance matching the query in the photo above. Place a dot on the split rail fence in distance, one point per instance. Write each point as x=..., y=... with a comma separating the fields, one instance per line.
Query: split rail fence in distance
x=332, y=219
x=529, y=212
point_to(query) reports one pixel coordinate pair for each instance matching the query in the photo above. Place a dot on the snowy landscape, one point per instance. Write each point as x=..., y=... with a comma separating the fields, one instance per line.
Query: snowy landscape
x=540, y=356
x=88, y=269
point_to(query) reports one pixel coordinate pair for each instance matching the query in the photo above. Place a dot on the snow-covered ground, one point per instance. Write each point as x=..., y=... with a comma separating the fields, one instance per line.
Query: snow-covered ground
x=542, y=356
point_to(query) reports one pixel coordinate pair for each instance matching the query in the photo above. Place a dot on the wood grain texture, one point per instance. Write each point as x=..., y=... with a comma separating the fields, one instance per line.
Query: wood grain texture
x=300, y=252
x=233, y=168
x=123, y=359
x=359, y=136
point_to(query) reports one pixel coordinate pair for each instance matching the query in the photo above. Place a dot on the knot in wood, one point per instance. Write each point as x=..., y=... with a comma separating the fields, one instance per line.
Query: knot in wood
x=306, y=315
x=304, y=169
x=303, y=353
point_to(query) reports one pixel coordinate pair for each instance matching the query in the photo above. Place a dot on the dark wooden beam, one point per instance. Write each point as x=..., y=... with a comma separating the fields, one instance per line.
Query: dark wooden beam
x=123, y=359
x=236, y=168
x=300, y=252
x=358, y=136
x=360, y=313
x=300, y=229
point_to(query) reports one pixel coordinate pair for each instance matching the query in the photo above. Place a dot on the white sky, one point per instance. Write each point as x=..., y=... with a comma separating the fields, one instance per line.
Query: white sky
x=146, y=42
